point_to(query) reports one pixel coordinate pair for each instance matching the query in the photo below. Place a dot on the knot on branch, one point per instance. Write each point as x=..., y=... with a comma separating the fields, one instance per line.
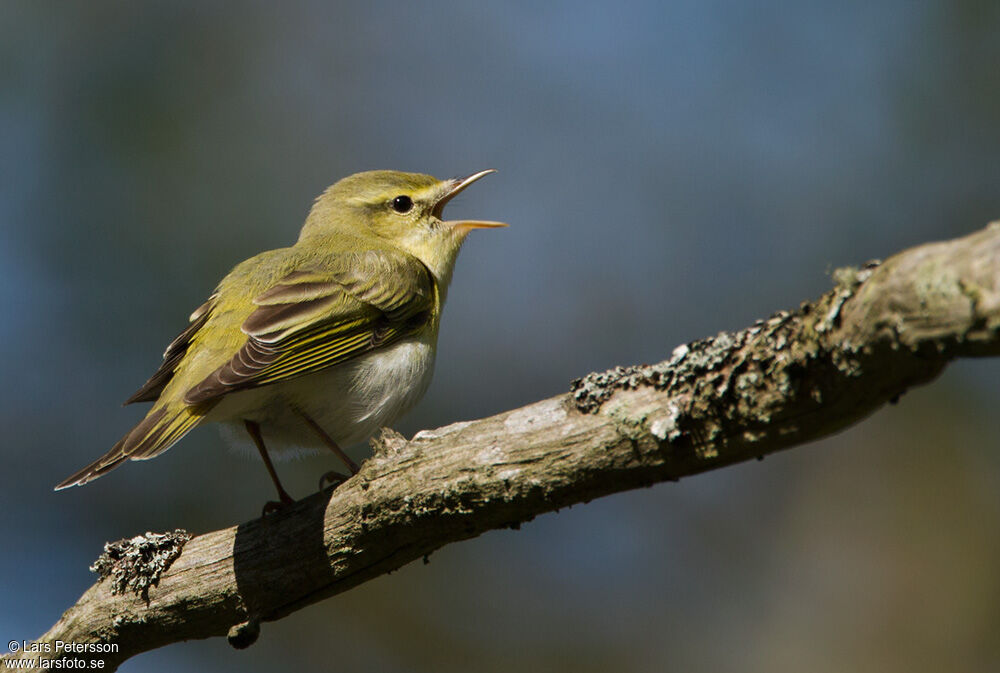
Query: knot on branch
x=242, y=636
x=136, y=564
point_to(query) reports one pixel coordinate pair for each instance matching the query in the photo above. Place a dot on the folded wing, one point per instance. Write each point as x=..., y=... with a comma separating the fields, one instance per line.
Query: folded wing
x=319, y=317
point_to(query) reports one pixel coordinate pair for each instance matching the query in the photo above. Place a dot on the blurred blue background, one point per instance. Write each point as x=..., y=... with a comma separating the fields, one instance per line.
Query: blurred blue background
x=670, y=170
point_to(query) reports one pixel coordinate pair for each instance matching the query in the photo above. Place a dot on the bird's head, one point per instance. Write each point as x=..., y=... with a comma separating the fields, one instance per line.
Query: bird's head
x=405, y=209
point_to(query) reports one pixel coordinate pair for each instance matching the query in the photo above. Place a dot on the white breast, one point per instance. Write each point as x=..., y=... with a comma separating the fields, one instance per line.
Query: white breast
x=350, y=401
x=389, y=383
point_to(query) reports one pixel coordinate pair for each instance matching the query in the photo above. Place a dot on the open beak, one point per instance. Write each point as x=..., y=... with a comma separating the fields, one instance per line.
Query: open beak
x=457, y=185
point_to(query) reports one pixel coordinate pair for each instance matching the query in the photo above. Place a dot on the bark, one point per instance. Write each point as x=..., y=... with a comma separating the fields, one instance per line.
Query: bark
x=781, y=382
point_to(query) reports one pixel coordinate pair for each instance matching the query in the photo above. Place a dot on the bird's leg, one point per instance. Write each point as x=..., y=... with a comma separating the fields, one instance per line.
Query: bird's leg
x=272, y=506
x=332, y=476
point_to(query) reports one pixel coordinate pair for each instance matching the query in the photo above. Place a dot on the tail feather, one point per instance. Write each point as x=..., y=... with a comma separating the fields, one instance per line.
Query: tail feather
x=157, y=432
x=98, y=468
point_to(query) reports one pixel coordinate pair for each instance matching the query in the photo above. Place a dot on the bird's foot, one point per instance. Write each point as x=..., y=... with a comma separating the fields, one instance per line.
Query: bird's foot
x=332, y=478
x=274, y=506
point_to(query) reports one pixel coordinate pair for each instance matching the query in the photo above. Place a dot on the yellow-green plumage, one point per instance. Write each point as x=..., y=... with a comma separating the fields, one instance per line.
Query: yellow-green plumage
x=341, y=327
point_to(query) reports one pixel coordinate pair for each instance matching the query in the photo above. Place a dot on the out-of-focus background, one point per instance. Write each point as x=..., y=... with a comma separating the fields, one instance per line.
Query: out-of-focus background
x=669, y=170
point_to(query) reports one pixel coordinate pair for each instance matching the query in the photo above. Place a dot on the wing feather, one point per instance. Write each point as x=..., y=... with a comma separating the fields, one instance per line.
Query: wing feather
x=312, y=319
x=273, y=322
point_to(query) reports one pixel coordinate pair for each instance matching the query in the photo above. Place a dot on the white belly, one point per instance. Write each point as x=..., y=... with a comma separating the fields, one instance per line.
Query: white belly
x=350, y=401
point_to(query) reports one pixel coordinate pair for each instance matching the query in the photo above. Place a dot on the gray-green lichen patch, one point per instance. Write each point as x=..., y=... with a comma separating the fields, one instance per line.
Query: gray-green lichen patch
x=594, y=389
x=883, y=327
x=717, y=366
x=137, y=564
x=667, y=428
x=687, y=363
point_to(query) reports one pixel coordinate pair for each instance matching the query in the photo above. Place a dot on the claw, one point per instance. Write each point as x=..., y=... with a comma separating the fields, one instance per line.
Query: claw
x=275, y=506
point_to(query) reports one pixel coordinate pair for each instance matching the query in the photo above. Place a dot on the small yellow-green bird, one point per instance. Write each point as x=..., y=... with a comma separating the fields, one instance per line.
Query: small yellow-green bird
x=318, y=344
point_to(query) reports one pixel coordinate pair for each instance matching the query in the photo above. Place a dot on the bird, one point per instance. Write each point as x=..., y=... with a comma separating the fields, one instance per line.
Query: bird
x=317, y=344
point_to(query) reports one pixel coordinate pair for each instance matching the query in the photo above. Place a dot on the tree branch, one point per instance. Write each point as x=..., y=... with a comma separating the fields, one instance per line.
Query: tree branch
x=784, y=381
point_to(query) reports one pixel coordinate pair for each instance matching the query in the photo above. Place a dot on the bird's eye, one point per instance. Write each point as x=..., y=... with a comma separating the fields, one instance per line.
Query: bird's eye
x=402, y=204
